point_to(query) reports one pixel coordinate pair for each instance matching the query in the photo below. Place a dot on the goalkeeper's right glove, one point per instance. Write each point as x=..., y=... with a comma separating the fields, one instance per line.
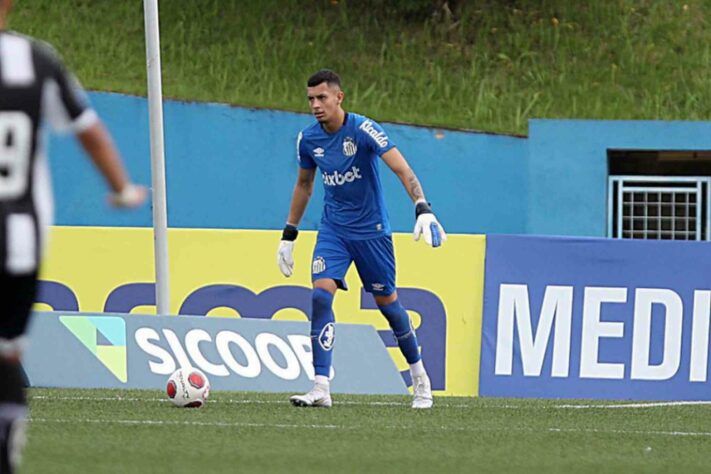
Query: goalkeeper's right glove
x=426, y=224
x=285, y=257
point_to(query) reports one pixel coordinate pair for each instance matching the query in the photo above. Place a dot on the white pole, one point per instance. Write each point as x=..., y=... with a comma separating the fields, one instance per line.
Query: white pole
x=155, y=112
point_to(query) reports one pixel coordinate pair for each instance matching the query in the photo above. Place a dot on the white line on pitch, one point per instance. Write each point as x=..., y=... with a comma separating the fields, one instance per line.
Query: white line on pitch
x=374, y=403
x=639, y=405
x=238, y=402
x=632, y=432
x=337, y=427
x=191, y=423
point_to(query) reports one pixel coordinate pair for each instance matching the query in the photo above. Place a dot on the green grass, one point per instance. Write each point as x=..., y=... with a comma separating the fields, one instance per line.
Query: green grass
x=491, y=66
x=140, y=431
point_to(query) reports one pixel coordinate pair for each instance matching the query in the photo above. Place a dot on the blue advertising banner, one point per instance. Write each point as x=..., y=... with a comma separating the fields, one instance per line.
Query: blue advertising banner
x=596, y=318
x=127, y=351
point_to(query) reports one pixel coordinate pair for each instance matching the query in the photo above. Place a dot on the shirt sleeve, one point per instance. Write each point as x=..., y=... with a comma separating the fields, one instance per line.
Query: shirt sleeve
x=302, y=154
x=66, y=105
x=375, y=137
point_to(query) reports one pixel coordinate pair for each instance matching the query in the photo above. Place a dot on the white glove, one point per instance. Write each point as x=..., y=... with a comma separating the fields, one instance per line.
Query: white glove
x=428, y=226
x=285, y=257
x=130, y=196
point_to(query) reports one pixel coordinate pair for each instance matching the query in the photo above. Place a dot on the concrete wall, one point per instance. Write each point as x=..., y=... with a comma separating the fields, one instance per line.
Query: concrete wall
x=230, y=167
x=567, y=167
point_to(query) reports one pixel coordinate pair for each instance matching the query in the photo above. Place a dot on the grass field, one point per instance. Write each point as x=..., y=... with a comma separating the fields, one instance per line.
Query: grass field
x=140, y=431
x=492, y=65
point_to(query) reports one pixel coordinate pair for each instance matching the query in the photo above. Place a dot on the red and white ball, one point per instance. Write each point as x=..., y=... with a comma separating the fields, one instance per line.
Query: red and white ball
x=188, y=387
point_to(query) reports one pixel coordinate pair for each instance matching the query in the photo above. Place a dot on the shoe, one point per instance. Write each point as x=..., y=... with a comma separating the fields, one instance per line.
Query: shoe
x=319, y=396
x=423, y=392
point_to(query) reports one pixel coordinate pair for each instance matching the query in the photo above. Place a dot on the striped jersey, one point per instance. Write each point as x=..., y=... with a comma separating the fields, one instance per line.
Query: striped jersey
x=35, y=88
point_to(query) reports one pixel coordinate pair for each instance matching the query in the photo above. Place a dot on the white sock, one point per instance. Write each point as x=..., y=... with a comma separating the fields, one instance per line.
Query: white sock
x=322, y=380
x=417, y=369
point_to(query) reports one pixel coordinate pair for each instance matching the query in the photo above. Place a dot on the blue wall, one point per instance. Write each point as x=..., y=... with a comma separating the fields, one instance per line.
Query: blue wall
x=230, y=167
x=567, y=167
x=80, y=193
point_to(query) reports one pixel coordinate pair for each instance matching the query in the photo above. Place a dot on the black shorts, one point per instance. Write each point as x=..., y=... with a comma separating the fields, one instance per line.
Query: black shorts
x=17, y=294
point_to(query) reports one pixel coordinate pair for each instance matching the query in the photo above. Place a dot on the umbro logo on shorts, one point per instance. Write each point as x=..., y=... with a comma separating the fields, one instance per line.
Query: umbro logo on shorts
x=318, y=266
x=378, y=286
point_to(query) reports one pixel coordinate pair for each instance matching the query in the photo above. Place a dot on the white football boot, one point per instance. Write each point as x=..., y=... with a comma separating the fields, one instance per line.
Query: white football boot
x=422, y=392
x=319, y=396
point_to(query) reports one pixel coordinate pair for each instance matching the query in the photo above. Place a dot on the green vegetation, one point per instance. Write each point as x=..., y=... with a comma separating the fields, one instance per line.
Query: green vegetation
x=141, y=431
x=491, y=65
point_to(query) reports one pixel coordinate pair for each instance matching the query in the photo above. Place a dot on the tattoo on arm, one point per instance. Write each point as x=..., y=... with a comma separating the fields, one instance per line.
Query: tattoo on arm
x=414, y=187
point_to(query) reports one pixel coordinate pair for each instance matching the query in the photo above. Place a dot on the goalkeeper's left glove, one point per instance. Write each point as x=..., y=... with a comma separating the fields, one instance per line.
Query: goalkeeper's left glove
x=426, y=224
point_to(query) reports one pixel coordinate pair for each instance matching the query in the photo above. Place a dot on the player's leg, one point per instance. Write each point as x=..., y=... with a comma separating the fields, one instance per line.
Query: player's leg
x=375, y=261
x=330, y=264
x=402, y=328
x=14, y=315
x=322, y=338
x=401, y=325
x=323, y=328
x=13, y=414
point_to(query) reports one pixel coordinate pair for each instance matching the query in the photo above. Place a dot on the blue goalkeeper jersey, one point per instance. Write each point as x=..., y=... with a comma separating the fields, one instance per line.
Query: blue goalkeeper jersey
x=349, y=163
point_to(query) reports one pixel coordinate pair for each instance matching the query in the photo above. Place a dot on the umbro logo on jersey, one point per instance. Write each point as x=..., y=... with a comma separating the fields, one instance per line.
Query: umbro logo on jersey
x=338, y=179
x=379, y=137
x=318, y=152
x=349, y=146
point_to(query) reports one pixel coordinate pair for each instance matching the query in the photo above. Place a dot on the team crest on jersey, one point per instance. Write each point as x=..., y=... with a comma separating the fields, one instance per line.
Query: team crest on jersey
x=318, y=266
x=349, y=146
x=327, y=336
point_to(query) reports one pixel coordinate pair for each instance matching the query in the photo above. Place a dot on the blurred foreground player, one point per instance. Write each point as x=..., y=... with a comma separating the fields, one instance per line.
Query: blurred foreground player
x=34, y=87
x=354, y=227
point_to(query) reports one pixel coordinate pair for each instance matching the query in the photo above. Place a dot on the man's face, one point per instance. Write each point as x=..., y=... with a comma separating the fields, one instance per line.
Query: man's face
x=324, y=101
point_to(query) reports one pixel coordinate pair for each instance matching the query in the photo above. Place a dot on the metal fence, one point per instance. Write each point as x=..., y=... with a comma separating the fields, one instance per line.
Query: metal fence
x=659, y=207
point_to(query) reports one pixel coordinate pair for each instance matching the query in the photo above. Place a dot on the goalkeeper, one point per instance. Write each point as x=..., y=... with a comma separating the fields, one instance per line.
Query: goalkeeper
x=354, y=227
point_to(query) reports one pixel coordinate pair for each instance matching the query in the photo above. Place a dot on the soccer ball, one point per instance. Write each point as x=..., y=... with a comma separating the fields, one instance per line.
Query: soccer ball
x=188, y=387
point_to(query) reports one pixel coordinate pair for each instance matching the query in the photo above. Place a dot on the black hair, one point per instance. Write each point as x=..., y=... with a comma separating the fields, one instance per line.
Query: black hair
x=324, y=75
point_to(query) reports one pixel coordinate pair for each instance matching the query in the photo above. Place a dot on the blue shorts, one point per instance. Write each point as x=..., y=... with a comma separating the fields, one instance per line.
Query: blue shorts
x=374, y=259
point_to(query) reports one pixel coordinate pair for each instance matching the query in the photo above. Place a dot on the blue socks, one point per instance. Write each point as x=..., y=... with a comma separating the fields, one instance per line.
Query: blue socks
x=322, y=331
x=400, y=323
